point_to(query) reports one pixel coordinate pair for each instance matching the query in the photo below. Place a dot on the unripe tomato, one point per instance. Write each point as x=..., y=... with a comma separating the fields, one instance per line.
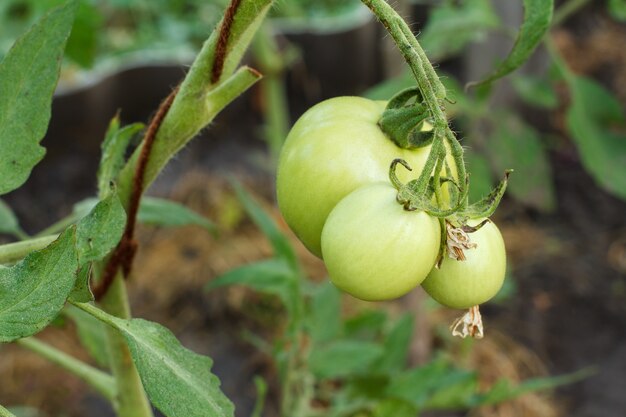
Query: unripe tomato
x=374, y=249
x=463, y=284
x=333, y=149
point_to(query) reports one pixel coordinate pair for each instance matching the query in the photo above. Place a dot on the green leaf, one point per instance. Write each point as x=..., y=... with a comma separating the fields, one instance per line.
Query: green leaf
x=83, y=41
x=279, y=241
x=28, y=77
x=515, y=145
x=502, y=390
x=343, y=358
x=535, y=91
x=5, y=413
x=617, y=8
x=81, y=292
x=8, y=222
x=91, y=333
x=272, y=276
x=396, y=346
x=178, y=381
x=597, y=124
x=33, y=291
x=455, y=24
x=537, y=18
x=161, y=212
x=101, y=230
x=367, y=324
x=114, y=147
x=325, y=315
x=393, y=407
x=435, y=385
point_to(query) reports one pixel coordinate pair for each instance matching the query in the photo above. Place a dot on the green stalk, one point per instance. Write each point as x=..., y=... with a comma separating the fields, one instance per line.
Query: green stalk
x=100, y=381
x=131, y=399
x=425, y=75
x=272, y=64
x=14, y=252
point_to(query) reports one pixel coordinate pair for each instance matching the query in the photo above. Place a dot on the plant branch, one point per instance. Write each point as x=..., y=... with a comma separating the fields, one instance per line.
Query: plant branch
x=100, y=381
x=125, y=251
x=14, y=252
x=427, y=80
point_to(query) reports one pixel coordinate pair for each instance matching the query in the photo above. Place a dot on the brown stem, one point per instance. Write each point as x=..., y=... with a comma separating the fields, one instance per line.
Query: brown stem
x=125, y=251
x=222, y=41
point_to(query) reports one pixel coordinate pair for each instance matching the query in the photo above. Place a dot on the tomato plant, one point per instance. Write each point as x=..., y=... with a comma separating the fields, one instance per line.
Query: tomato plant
x=374, y=249
x=333, y=149
x=477, y=278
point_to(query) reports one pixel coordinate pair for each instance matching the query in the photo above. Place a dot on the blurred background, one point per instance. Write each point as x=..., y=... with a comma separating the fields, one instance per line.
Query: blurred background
x=560, y=319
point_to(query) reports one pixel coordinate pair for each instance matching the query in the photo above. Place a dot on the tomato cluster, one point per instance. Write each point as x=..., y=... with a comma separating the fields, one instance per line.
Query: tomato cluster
x=334, y=192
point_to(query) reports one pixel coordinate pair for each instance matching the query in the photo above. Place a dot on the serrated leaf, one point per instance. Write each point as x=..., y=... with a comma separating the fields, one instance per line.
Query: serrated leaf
x=535, y=91
x=28, y=77
x=325, y=315
x=114, y=147
x=454, y=24
x=396, y=346
x=33, y=291
x=343, y=358
x=537, y=18
x=516, y=145
x=101, y=230
x=272, y=276
x=597, y=124
x=161, y=212
x=279, y=241
x=8, y=221
x=91, y=333
x=178, y=381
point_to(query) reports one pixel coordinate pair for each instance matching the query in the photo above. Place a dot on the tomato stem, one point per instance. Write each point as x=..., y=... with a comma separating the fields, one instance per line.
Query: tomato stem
x=430, y=87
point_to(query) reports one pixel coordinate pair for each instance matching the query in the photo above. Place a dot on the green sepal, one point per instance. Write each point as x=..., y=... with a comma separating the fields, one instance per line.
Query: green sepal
x=488, y=205
x=405, y=120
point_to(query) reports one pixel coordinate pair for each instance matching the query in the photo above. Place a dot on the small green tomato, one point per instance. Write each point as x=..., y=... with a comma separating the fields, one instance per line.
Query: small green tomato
x=374, y=249
x=463, y=284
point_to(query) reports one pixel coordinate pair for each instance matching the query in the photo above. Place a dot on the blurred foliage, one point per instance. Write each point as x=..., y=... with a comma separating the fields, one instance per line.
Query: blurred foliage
x=113, y=29
x=110, y=28
x=314, y=9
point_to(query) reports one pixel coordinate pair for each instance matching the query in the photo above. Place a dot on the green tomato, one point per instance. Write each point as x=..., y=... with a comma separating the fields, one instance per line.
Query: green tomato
x=463, y=284
x=333, y=149
x=374, y=249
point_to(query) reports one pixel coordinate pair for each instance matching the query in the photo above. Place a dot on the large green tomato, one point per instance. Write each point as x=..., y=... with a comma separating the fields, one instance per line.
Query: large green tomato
x=463, y=284
x=333, y=149
x=374, y=249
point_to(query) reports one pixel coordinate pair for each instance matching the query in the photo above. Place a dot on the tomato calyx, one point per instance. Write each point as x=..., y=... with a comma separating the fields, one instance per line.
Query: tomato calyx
x=469, y=324
x=406, y=120
x=418, y=194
